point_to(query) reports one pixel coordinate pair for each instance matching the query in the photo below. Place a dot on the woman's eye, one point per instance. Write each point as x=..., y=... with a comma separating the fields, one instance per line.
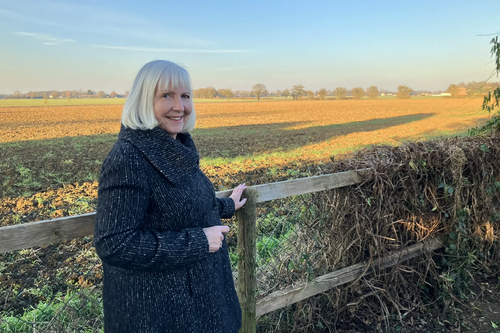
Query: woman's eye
x=185, y=96
x=165, y=95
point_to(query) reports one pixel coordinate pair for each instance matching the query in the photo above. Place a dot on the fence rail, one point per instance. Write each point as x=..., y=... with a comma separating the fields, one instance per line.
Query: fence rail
x=22, y=236
x=33, y=234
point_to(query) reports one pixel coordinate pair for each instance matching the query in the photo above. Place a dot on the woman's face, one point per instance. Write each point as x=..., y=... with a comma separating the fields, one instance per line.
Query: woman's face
x=172, y=108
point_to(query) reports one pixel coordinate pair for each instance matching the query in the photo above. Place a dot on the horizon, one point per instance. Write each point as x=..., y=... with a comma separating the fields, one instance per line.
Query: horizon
x=54, y=45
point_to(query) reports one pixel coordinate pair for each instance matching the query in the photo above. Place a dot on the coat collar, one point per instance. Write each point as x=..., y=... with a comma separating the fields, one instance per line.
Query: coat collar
x=174, y=158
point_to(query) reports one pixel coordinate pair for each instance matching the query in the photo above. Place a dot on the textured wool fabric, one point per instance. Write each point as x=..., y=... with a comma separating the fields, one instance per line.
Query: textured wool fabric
x=159, y=276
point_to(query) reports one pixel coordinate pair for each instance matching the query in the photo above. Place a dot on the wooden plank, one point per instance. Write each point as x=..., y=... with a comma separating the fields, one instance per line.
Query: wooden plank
x=50, y=231
x=299, y=186
x=293, y=187
x=294, y=294
x=26, y=235
x=247, y=254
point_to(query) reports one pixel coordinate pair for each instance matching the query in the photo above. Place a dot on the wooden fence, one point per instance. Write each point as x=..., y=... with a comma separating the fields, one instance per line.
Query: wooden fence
x=34, y=234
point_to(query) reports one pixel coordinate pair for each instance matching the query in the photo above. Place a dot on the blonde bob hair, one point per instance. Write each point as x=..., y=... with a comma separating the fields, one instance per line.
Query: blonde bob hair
x=138, y=112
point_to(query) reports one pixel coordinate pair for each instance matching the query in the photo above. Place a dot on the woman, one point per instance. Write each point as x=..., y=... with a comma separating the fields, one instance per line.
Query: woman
x=158, y=229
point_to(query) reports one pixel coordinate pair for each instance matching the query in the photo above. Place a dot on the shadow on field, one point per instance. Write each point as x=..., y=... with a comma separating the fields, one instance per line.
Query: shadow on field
x=232, y=141
x=32, y=166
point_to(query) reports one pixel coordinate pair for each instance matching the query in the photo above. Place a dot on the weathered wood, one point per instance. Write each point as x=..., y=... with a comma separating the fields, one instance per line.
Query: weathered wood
x=294, y=294
x=26, y=235
x=247, y=254
x=50, y=231
x=293, y=187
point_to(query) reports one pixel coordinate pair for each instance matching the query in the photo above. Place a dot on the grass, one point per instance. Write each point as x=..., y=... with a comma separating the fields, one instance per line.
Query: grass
x=40, y=318
x=31, y=166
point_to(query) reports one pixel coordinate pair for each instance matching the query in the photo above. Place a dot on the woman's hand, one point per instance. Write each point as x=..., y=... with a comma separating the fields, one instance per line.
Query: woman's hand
x=215, y=237
x=236, y=196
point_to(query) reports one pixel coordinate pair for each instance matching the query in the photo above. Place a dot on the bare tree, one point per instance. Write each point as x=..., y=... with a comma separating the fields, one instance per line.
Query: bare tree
x=286, y=93
x=45, y=99
x=228, y=93
x=310, y=94
x=322, y=93
x=258, y=90
x=278, y=93
x=404, y=92
x=358, y=93
x=113, y=94
x=297, y=91
x=372, y=92
x=101, y=94
x=340, y=92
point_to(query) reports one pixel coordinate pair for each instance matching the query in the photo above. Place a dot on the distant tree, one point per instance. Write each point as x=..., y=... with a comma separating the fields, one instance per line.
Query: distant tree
x=90, y=92
x=258, y=90
x=278, y=93
x=101, y=94
x=403, y=92
x=358, y=93
x=55, y=95
x=372, y=92
x=227, y=93
x=113, y=94
x=68, y=97
x=297, y=91
x=45, y=99
x=322, y=93
x=286, y=93
x=74, y=93
x=209, y=92
x=310, y=94
x=452, y=89
x=31, y=94
x=245, y=94
x=340, y=92
x=492, y=100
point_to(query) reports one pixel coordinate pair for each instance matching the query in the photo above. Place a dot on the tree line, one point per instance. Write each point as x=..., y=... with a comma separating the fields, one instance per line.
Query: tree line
x=471, y=89
x=297, y=92
x=462, y=89
x=53, y=94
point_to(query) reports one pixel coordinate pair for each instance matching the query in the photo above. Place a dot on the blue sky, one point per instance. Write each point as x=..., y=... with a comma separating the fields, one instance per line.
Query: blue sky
x=100, y=45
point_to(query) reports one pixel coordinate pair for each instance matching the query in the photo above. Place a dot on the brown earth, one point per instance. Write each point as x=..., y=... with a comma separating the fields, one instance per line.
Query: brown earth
x=307, y=131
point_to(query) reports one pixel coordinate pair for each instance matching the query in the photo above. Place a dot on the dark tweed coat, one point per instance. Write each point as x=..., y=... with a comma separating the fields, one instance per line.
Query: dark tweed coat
x=159, y=276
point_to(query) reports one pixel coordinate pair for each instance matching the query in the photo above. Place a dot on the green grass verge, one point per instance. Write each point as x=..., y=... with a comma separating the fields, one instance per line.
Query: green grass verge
x=76, y=311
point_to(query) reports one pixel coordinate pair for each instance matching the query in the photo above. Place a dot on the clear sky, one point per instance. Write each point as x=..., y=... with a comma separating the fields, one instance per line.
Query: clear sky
x=100, y=45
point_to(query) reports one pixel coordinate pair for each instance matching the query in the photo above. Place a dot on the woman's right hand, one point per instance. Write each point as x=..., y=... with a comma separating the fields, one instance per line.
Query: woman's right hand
x=215, y=237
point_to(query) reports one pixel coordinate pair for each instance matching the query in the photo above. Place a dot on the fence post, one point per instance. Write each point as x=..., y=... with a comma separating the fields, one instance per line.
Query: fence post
x=247, y=282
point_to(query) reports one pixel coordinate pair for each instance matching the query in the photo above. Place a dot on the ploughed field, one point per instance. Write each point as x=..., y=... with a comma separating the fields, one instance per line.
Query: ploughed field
x=50, y=157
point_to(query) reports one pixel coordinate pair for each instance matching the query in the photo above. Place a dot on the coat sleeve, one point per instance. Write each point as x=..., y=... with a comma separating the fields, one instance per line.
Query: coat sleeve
x=120, y=238
x=226, y=207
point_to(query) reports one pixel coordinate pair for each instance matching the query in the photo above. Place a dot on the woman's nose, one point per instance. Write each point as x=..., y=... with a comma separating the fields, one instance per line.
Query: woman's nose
x=178, y=104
